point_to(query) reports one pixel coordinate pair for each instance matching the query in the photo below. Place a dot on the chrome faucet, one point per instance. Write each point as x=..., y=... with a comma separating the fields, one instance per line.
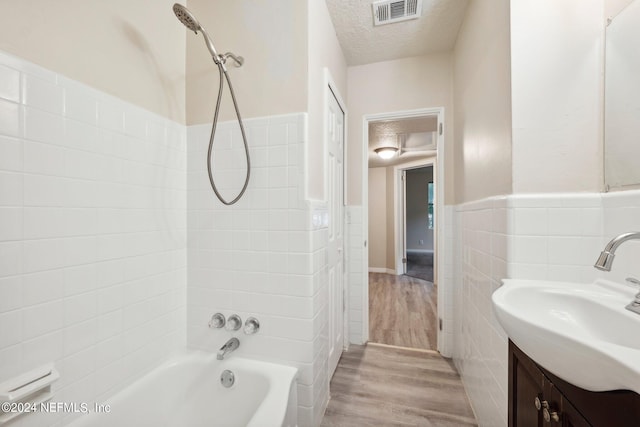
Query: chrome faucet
x=605, y=260
x=635, y=304
x=228, y=347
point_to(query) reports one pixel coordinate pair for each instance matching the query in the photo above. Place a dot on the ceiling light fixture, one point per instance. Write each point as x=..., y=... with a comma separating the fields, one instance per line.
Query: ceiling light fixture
x=386, y=152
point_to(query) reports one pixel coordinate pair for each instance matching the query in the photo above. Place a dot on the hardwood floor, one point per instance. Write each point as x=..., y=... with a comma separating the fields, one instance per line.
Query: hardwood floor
x=383, y=386
x=420, y=265
x=402, y=311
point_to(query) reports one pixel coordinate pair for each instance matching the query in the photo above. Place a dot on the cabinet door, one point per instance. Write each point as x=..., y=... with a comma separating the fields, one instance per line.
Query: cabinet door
x=571, y=417
x=527, y=389
x=526, y=385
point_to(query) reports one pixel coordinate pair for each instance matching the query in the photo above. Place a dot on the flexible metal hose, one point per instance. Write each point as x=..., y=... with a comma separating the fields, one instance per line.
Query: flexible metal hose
x=223, y=73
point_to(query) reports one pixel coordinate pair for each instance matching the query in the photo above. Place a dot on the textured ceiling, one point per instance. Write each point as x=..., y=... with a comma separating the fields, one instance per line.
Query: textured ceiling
x=383, y=133
x=362, y=43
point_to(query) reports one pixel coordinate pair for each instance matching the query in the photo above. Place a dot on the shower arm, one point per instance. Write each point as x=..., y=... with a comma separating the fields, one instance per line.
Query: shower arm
x=239, y=60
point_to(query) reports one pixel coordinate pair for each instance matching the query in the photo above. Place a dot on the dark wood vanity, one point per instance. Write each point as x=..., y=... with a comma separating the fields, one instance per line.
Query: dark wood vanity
x=537, y=398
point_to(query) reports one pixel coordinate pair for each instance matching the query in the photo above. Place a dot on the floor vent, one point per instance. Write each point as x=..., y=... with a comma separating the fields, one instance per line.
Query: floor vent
x=390, y=11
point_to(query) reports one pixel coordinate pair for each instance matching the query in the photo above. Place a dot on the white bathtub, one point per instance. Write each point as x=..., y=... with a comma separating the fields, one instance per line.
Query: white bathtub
x=186, y=391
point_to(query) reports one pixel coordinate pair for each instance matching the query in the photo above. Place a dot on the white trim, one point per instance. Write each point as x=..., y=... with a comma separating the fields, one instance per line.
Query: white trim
x=382, y=270
x=400, y=207
x=444, y=348
x=419, y=251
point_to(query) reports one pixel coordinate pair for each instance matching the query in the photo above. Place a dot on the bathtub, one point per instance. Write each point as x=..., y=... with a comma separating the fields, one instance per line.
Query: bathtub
x=186, y=391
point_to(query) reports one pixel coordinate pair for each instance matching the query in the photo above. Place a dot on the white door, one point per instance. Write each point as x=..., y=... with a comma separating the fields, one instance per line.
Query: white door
x=335, y=206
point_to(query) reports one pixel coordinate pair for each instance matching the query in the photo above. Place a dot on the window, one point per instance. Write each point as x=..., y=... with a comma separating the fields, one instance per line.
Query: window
x=430, y=191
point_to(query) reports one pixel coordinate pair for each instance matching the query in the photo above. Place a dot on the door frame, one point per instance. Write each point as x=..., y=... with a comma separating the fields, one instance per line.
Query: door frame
x=440, y=218
x=330, y=87
x=400, y=203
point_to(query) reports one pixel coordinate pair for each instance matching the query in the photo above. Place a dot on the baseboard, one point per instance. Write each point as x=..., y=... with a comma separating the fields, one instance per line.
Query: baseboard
x=420, y=251
x=381, y=270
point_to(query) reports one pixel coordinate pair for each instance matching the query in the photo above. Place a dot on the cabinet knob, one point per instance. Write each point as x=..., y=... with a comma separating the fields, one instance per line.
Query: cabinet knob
x=550, y=416
x=540, y=403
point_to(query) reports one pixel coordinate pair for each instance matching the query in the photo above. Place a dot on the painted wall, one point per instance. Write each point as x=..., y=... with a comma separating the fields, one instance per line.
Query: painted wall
x=556, y=68
x=482, y=91
x=378, y=218
x=382, y=216
x=271, y=36
x=417, y=210
x=286, y=47
x=132, y=49
x=391, y=218
x=324, y=52
x=613, y=7
x=403, y=84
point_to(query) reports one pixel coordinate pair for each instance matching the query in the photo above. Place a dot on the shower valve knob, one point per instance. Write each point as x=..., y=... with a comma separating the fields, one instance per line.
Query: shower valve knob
x=234, y=322
x=251, y=326
x=217, y=321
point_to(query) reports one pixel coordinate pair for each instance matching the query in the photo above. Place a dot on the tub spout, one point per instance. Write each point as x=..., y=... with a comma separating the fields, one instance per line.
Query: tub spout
x=228, y=347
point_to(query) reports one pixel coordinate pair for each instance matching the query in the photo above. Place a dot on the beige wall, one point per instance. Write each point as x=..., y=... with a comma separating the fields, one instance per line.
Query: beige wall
x=324, y=52
x=403, y=84
x=557, y=95
x=382, y=217
x=613, y=7
x=378, y=218
x=391, y=220
x=483, y=102
x=132, y=49
x=271, y=36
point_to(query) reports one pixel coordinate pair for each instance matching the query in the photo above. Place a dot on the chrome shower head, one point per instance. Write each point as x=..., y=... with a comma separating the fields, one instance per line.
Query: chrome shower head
x=188, y=20
x=186, y=17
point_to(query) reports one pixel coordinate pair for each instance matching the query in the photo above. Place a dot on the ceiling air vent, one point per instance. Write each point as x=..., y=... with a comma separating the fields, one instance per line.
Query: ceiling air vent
x=389, y=11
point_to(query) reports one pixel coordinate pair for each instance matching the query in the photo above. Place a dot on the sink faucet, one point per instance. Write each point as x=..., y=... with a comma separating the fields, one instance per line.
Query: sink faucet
x=605, y=260
x=228, y=347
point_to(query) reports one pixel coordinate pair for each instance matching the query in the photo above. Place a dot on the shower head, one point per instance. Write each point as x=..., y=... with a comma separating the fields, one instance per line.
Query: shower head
x=188, y=20
x=186, y=17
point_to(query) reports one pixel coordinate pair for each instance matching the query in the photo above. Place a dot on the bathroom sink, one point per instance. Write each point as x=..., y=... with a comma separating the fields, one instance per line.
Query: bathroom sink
x=580, y=332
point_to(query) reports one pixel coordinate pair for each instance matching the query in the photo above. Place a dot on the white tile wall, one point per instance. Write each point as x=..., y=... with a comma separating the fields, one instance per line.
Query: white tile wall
x=264, y=256
x=355, y=261
x=545, y=236
x=92, y=234
x=480, y=344
x=621, y=214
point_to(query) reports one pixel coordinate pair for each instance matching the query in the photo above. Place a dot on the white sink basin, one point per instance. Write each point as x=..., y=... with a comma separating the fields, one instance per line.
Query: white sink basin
x=580, y=332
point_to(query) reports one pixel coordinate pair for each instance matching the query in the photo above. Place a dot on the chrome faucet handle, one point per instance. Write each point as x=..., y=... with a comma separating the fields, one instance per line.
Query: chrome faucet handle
x=251, y=326
x=217, y=321
x=234, y=322
x=633, y=281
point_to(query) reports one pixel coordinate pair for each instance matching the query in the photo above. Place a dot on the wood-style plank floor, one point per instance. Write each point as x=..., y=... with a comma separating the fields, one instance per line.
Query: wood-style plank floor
x=402, y=311
x=377, y=385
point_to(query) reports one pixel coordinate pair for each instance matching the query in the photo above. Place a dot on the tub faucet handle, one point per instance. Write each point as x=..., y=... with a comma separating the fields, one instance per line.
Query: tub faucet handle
x=633, y=280
x=217, y=321
x=251, y=326
x=234, y=322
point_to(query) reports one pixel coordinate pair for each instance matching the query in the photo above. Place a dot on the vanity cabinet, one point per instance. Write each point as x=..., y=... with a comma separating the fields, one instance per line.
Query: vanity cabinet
x=538, y=398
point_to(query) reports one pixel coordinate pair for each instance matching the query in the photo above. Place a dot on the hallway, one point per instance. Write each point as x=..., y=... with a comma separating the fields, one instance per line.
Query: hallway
x=402, y=311
x=377, y=385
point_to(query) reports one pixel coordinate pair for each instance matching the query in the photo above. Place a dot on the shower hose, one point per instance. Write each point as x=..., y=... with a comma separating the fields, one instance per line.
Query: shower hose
x=223, y=76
